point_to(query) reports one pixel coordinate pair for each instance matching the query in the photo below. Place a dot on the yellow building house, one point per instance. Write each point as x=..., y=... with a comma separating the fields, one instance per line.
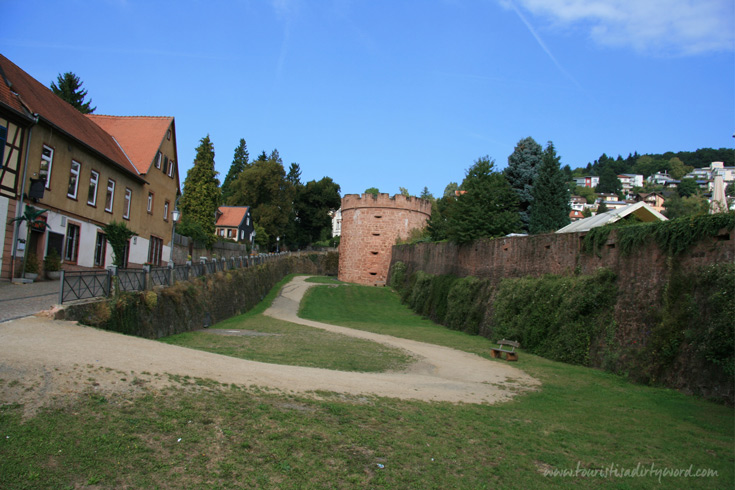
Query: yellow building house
x=85, y=171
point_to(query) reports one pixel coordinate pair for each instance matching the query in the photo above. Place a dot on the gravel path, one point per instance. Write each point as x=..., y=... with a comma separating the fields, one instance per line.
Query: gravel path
x=43, y=360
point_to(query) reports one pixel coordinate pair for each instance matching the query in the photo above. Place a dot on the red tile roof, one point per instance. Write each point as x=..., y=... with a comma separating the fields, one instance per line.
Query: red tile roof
x=139, y=136
x=51, y=109
x=231, y=216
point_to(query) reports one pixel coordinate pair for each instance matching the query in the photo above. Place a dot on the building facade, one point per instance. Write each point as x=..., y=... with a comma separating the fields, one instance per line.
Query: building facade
x=85, y=172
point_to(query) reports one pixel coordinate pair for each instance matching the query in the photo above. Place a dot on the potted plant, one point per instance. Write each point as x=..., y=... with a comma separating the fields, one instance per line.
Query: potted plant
x=52, y=265
x=31, y=267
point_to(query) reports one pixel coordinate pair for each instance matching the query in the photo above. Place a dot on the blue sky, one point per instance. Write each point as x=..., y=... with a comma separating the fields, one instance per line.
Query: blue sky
x=391, y=93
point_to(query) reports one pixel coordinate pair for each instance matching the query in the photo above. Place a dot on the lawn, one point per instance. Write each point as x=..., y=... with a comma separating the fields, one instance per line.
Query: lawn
x=204, y=435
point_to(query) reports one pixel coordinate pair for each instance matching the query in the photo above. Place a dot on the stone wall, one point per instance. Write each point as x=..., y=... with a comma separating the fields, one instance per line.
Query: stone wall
x=642, y=281
x=370, y=226
x=190, y=305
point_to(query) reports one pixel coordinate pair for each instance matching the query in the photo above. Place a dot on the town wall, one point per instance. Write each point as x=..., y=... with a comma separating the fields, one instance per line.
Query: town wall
x=642, y=280
x=370, y=226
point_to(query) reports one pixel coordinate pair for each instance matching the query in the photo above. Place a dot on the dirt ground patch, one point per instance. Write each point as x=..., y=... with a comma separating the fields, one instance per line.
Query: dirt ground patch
x=44, y=361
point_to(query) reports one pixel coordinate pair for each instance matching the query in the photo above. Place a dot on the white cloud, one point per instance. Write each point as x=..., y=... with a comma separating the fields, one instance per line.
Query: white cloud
x=649, y=26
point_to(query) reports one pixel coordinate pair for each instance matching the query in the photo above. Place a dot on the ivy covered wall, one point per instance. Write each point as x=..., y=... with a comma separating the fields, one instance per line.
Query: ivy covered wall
x=652, y=302
x=190, y=305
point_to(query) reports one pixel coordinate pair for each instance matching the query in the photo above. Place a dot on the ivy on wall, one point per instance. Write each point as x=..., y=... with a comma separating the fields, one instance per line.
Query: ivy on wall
x=672, y=237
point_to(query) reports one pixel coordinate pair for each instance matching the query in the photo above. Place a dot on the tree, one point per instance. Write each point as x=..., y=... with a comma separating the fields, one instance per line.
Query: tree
x=451, y=189
x=602, y=208
x=239, y=163
x=312, y=205
x=263, y=187
x=678, y=207
x=404, y=192
x=69, y=87
x=587, y=192
x=201, y=196
x=550, y=209
x=677, y=169
x=425, y=194
x=521, y=172
x=609, y=182
x=118, y=234
x=372, y=190
x=687, y=187
x=294, y=174
x=488, y=208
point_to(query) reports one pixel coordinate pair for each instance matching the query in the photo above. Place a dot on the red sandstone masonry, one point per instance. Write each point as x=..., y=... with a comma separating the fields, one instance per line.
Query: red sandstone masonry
x=641, y=279
x=370, y=226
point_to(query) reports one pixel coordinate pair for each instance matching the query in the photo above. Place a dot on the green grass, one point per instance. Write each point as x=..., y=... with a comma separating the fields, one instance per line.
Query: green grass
x=292, y=344
x=280, y=342
x=201, y=435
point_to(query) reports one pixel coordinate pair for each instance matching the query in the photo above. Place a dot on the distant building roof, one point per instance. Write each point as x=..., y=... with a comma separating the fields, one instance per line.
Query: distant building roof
x=640, y=209
x=231, y=216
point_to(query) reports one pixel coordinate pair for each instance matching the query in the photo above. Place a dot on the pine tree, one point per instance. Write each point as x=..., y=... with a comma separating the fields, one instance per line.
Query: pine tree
x=609, y=182
x=201, y=196
x=488, y=208
x=550, y=209
x=521, y=172
x=69, y=87
x=239, y=163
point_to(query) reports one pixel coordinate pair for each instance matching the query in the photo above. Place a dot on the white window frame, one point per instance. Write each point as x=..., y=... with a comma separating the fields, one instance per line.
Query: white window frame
x=74, y=177
x=94, y=180
x=171, y=168
x=128, y=200
x=150, y=202
x=49, y=159
x=159, y=157
x=111, y=193
x=165, y=211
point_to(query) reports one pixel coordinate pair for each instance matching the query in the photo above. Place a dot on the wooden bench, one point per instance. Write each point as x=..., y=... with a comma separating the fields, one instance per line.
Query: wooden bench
x=510, y=355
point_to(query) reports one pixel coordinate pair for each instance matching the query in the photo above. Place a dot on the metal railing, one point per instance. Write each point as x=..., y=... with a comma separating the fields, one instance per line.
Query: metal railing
x=77, y=285
x=131, y=279
x=160, y=276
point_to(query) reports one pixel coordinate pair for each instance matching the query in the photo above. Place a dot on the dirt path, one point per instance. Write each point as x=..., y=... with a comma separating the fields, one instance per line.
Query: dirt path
x=42, y=360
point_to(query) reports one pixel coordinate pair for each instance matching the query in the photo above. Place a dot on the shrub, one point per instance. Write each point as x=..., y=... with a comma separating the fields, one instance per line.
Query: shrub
x=52, y=262
x=397, y=275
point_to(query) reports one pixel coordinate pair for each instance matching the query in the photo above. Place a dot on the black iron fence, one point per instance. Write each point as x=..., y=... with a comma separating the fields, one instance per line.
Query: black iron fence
x=77, y=285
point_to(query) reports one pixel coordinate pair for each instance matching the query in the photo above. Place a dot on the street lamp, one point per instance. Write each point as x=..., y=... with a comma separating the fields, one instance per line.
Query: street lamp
x=278, y=239
x=175, y=216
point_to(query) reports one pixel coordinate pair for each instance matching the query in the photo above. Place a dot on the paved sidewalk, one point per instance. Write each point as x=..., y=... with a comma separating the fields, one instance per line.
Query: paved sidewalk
x=19, y=300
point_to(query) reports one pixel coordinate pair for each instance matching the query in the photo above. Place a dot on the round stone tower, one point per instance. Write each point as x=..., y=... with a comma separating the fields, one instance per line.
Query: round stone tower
x=370, y=226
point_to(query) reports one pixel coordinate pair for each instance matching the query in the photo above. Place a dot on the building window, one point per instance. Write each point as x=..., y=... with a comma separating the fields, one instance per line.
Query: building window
x=165, y=164
x=100, y=250
x=94, y=179
x=73, y=180
x=171, y=169
x=155, y=250
x=150, y=202
x=165, y=210
x=110, y=196
x=158, y=160
x=71, y=246
x=229, y=233
x=126, y=205
x=168, y=134
x=47, y=159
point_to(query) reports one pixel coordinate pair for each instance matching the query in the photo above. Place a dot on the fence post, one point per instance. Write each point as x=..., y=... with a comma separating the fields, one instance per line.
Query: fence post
x=171, y=274
x=61, y=288
x=203, y=261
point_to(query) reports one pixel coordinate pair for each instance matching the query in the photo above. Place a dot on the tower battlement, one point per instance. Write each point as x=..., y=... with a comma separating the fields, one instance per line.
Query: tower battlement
x=370, y=226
